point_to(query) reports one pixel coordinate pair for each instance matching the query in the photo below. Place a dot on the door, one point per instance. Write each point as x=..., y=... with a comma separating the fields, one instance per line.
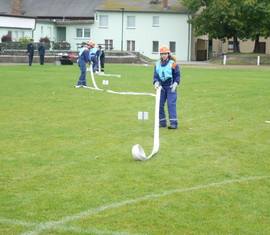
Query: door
x=130, y=45
x=61, y=33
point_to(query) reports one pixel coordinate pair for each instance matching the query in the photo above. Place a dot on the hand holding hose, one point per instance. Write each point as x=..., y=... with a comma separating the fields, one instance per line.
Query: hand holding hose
x=157, y=85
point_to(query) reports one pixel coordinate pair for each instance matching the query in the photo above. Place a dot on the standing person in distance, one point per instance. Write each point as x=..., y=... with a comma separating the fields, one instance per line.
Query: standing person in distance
x=41, y=52
x=30, y=51
x=101, y=59
x=93, y=54
x=82, y=60
x=167, y=75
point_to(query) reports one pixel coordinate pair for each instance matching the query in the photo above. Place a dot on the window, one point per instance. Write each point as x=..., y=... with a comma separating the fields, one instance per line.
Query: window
x=103, y=21
x=15, y=36
x=155, y=21
x=155, y=46
x=87, y=33
x=230, y=45
x=172, y=47
x=79, y=33
x=21, y=34
x=130, y=45
x=131, y=21
x=108, y=44
x=41, y=29
x=83, y=33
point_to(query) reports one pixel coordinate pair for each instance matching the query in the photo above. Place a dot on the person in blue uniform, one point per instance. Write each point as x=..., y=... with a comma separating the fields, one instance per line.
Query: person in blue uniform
x=41, y=52
x=93, y=54
x=82, y=60
x=167, y=75
x=30, y=51
x=101, y=58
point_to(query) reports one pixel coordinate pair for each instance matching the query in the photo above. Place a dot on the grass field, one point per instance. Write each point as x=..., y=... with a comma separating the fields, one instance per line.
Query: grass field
x=67, y=167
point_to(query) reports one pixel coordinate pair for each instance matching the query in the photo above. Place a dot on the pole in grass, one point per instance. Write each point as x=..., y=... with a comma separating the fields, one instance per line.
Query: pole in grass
x=258, y=60
x=105, y=82
x=143, y=116
x=224, y=59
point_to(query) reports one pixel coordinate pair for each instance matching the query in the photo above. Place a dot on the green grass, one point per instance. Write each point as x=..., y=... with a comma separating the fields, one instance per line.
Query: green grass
x=67, y=152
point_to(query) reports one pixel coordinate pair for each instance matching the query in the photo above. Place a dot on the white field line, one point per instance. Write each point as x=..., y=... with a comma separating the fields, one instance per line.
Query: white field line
x=83, y=214
x=18, y=222
x=65, y=228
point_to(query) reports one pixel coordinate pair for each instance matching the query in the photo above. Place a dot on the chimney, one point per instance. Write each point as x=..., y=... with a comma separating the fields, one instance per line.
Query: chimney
x=165, y=2
x=16, y=7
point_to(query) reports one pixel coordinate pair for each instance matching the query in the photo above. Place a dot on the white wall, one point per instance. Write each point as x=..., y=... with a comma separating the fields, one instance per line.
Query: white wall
x=71, y=34
x=172, y=27
x=16, y=33
x=18, y=26
x=17, y=22
x=45, y=29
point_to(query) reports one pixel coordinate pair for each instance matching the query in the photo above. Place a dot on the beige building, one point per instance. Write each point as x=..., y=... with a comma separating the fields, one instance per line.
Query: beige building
x=203, y=49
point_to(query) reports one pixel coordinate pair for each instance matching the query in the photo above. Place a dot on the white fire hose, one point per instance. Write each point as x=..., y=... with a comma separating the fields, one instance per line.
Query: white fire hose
x=137, y=150
x=105, y=74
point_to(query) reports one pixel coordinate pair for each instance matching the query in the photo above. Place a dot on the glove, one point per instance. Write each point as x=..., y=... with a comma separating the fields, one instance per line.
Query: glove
x=157, y=85
x=173, y=86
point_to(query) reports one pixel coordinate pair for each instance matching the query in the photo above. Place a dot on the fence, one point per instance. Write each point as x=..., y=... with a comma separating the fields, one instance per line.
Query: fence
x=13, y=46
x=245, y=60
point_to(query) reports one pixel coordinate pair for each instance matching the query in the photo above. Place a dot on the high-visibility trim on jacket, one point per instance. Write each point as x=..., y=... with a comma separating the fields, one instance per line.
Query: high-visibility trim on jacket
x=93, y=51
x=82, y=50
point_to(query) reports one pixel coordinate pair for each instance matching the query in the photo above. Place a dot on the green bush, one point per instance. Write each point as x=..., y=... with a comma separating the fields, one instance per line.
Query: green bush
x=46, y=40
x=61, y=46
x=24, y=39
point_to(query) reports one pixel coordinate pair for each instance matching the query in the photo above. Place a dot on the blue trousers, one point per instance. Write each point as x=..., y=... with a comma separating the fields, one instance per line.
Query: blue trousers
x=30, y=57
x=82, y=78
x=95, y=62
x=171, y=98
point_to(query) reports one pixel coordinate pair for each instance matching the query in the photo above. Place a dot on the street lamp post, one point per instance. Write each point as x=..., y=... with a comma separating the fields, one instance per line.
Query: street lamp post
x=122, y=28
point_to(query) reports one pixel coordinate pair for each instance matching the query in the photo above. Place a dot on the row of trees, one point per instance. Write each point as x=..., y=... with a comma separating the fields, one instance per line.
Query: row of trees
x=237, y=19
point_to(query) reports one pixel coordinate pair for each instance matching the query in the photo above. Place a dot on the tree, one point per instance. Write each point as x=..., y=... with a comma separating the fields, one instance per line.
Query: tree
x=216, y=18
x=256, y=18
x=237, y=19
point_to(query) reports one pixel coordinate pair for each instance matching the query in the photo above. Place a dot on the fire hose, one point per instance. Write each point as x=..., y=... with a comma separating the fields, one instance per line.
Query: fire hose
x=137, y=150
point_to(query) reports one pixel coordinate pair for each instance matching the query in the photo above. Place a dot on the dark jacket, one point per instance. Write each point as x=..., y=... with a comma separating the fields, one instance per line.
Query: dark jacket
x=30, y=48
x=41, y=49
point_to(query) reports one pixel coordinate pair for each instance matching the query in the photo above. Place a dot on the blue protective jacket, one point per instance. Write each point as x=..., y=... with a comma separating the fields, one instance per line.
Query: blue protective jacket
x=84, y=56
x=166, y=72
x=93, y=51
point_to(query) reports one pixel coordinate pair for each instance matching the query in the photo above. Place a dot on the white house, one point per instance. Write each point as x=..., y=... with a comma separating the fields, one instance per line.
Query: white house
x=17, y=26
x=123, y=25
x=143, y=26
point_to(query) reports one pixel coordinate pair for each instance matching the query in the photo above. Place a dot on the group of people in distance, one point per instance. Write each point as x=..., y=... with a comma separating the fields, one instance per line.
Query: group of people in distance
x=31, y=50
x=95, y=54
x=91, y=55
x=166, y=75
